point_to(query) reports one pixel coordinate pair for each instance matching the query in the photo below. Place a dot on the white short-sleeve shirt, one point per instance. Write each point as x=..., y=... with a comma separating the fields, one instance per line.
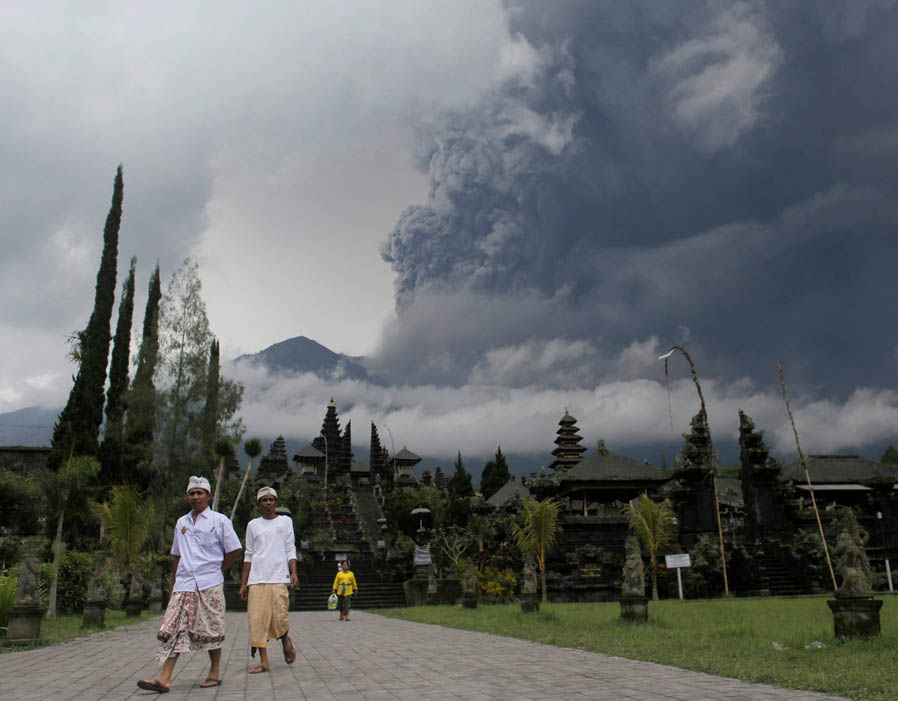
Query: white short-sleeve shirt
x=270, y=546
x=202, y=547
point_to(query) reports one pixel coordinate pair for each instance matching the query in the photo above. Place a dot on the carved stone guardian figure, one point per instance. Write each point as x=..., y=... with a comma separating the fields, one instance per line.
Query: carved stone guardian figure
x=25, y=616
x=529, y=593
x=855, y=611
x=633, y=601
x=469, y=586
x=134, y=603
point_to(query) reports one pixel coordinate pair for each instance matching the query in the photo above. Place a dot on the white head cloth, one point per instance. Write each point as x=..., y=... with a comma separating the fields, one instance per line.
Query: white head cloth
x=266, y=491
x=198, y=483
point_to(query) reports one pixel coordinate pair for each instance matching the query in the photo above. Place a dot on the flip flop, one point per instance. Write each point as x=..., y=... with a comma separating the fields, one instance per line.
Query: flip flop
x=210, y=683
x=152, y=686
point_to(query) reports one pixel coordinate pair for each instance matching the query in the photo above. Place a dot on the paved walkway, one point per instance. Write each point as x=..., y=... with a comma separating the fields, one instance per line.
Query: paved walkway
x=369, y=658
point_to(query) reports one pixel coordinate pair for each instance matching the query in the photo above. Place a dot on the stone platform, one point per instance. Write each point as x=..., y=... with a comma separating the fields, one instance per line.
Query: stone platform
x=378, y=658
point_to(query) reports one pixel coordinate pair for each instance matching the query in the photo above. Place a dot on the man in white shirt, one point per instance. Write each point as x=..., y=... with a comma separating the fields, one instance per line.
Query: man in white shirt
x=204, y=545
x=269, y=568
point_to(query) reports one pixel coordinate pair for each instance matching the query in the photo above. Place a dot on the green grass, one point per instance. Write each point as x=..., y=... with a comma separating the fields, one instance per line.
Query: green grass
x=729, y=637
x=65, y=628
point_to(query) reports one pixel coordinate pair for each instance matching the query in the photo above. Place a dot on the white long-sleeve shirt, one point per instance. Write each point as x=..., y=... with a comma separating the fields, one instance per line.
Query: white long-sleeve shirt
x=270, y=546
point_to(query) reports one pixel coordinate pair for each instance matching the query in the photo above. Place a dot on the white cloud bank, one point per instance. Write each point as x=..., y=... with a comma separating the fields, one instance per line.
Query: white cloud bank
x=629, y=411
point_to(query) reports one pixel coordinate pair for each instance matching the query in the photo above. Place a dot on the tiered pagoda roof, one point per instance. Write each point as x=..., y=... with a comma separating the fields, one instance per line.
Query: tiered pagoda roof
x=274, y=465
x=568, y=451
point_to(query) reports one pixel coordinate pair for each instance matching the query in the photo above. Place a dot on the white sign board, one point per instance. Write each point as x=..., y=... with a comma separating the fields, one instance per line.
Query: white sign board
x=674, y=561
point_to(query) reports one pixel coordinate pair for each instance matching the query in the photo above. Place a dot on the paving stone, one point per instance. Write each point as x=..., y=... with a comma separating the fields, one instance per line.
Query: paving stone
x=371, y=658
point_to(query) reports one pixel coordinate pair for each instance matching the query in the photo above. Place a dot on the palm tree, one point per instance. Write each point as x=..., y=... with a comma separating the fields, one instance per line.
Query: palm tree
x=253, y=449
x=126, y=525
x=224, y=451
x=73, y=476
x=655, y=525
x=537, y=531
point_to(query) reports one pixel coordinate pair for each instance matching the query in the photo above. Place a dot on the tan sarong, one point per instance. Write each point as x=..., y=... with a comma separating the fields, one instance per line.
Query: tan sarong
x=267, y=606
x=193, y=621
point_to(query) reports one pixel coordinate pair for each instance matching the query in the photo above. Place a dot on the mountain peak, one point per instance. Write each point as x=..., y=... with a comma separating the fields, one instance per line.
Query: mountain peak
x=302, y=354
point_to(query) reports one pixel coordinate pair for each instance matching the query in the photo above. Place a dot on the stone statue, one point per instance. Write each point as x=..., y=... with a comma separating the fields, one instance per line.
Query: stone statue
x=634, y=571
x=854, y=568
x=528, y=581
x=28, y=583
x=96, y=589
x=469, y=581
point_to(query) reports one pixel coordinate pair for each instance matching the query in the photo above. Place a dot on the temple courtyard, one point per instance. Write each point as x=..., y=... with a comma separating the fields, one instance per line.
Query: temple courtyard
x=371, y=657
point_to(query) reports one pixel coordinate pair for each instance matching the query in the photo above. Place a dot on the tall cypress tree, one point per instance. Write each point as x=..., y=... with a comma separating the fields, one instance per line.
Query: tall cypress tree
x=78, y=426
x=140, y=418
x=495, y=475
x=111, y=448
x=460, y=484
x=210, y=411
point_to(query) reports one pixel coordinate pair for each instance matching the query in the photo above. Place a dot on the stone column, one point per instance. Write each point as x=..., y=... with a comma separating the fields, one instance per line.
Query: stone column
x=95, y=604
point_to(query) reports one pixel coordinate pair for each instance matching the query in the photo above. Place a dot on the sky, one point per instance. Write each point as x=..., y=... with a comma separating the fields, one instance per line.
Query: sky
x=508, y=208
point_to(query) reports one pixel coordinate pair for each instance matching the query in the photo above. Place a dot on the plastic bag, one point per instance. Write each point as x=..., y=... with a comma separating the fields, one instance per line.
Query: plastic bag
x=332, y=602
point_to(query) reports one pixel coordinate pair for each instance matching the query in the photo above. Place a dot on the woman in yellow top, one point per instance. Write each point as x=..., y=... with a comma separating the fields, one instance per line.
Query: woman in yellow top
x=344, y=587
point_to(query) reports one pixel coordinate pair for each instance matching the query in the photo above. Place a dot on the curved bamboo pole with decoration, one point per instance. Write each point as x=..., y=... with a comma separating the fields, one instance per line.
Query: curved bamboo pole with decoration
x=704, y=413
x=807, y=473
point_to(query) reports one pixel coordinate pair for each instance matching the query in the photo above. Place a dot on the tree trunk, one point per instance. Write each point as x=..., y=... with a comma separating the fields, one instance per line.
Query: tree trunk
x=218, y=477
x=240, y=491
x=57, y=552
x=542, y=573
x=654, y=578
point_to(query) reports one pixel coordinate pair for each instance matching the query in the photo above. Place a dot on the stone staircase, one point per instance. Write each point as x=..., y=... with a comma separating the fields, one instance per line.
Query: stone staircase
x=317, y=579
x=775, y=578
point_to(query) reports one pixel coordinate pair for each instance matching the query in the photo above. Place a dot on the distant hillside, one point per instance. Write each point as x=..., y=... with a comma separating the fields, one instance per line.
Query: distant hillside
x=302, y=354
x=30, y=426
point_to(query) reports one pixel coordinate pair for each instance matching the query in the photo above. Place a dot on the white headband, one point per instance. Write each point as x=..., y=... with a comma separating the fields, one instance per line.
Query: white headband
x=198, y=483
x=266, y=491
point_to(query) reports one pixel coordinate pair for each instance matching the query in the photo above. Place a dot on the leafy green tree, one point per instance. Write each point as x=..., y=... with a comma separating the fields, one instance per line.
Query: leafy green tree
x=185, y=337
x=460, y=484
x=68, y=485
x=140, y=419
x=126, y=525
x=253, y=449
x=78, y=426
x=111, y=450
x=495, y=475
x=655, y=525
x=537, y=531
x=225, y=452
x=890, y=456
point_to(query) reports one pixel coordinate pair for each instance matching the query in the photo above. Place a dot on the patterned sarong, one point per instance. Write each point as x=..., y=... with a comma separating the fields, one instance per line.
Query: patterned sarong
x=193, y=621
x=267, y=605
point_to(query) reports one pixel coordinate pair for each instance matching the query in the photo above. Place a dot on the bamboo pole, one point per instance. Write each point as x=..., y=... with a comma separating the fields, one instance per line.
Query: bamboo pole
x=704, y=413
x=807, y=473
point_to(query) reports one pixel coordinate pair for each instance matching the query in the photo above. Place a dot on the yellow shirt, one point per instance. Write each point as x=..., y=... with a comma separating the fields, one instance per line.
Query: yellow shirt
x=345, y=584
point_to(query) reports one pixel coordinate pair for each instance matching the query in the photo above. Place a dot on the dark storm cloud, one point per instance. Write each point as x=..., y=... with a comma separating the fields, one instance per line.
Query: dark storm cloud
x=727, y=168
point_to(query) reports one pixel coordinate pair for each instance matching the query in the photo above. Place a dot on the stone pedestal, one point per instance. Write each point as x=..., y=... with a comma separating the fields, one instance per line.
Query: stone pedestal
x=855, y=618
x=530, y=603
x=469, y=600
x=155, y=605
x=233, y=602
x=634, y=608
x=94, y=614
x=449, y=590
x=24, y=626
x=133, y=607
x=415, y=592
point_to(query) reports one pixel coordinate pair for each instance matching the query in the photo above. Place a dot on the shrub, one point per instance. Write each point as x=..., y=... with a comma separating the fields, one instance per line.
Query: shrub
x=8, y=577
x=497, y=584
x=74, y=573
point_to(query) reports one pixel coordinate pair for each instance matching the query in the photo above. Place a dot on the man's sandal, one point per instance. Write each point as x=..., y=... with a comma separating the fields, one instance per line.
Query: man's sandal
x=152, y=685
x=210, y=682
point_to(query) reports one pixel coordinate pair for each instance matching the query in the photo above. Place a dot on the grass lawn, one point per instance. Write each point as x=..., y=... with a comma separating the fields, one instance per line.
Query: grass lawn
x=730, y=637
x=65, y=628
